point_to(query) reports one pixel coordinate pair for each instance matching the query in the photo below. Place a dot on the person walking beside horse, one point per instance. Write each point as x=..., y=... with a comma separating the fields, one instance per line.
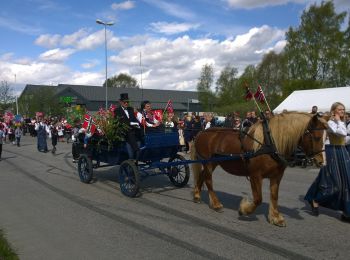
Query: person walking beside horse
x=331, y=189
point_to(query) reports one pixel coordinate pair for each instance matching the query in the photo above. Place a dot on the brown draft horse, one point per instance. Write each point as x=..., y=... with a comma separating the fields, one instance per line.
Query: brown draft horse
x=286, y=129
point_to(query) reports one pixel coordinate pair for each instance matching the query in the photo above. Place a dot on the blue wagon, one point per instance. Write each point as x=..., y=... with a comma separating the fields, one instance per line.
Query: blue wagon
x=159, y=151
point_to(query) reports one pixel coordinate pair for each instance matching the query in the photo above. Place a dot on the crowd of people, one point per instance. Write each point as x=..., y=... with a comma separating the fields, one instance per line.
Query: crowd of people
x=57, y=129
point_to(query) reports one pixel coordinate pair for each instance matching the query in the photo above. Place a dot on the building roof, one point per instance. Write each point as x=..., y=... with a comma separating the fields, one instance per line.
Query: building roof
x=158, y=97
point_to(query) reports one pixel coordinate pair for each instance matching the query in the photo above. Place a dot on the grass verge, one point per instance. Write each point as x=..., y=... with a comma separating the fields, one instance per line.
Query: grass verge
x=6, y=252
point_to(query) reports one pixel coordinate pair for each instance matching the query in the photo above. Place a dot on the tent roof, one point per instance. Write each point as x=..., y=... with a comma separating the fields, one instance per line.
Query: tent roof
x=303, y=100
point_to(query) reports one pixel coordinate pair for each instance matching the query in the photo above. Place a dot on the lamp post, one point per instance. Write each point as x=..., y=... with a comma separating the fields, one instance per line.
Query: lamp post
x=105, y=24
x=16, y=95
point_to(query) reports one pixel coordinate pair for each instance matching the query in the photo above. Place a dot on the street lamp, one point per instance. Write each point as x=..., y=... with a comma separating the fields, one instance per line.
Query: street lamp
x=105, y=25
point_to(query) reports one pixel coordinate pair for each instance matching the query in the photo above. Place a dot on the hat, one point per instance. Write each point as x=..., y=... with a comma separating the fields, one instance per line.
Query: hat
x=124, y=97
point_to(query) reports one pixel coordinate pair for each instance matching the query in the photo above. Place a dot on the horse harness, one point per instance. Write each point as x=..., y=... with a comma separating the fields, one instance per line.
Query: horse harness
x=312, y=138
x=268, y=147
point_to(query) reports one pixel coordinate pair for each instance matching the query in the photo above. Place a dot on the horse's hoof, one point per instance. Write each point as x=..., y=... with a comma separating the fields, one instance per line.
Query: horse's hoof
x=219, y=209
x=278, y=222
x=196, y=200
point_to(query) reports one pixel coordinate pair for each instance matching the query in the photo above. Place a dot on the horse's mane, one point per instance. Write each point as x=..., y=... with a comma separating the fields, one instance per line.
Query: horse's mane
x=286, y=130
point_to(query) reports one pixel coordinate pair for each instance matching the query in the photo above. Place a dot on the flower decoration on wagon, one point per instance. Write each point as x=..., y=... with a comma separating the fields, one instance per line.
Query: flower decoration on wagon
x=111, y=128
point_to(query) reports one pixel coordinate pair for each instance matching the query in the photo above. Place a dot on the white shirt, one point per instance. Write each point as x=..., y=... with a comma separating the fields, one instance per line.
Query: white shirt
x=139, y=118
x=337, y=127
x=347, y=139
x=126, y=112
x=43, y=125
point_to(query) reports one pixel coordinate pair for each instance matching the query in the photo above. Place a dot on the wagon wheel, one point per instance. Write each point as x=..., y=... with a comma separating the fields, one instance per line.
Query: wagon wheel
x=304, y=163
x=292, y=164
x=85, y=168
x=179, y=174
x=129, y=178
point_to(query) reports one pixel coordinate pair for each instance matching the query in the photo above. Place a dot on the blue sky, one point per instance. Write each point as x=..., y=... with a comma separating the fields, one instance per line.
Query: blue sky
x=54, y=42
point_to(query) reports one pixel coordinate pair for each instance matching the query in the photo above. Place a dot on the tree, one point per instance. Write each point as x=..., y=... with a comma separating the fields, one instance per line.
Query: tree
x=205, y=94
x=6, y=96
x=226, y=85
x=122, y=81
x=41, y=100
x=315, y=49
x=271, y=73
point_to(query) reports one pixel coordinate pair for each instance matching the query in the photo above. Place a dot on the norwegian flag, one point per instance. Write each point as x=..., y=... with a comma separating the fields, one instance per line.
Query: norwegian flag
x=158, y=115
x=259, y=95
x=89, y=124
x=112, y=109
x=248, y=95
x=169, y=107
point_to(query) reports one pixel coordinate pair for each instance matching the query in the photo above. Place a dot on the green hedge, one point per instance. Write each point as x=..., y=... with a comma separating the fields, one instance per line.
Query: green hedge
x=6, y=252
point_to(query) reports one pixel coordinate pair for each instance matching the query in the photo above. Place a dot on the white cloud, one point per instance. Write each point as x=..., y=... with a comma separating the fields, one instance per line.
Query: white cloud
x=6, y=56
x=74, y=38
x=81, y=40
x=172, y=28
x=340, y=5
x=18, y=26
x=90, y=64
x=251, y=4
x=169, y=64
x=56, y=55
x=48, y=40
x=166, y=63
x=47, y=73
x=172, y=9
x=123, y=6
x=24, y=61
x=87, y=78
x=35, y=72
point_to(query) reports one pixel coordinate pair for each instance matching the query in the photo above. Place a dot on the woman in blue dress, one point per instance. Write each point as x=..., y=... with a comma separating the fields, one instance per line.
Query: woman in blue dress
x=42, y=130
x=331, y=187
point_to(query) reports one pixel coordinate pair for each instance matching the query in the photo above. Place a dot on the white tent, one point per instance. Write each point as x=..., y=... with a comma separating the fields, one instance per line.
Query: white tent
x=303, y=100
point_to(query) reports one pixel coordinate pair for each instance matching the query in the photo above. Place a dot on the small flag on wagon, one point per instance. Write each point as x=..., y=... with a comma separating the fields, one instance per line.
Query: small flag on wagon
x=89, y=124
x=259, y=95
x=169, y=107
x=248, y=94
x=158, y=115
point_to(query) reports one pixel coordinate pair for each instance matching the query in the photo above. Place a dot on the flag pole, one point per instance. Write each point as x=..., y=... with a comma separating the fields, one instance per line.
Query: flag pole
x=141, y=79
x=265, y=100
x=251, y=96
x=256, y=103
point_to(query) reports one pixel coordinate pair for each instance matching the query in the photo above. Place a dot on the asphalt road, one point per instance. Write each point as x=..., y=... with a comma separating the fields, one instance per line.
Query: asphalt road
x=47, y=213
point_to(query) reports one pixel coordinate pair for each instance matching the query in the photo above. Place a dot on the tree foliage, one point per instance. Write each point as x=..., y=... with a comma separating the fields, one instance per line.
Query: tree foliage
x=40, y=100
x=316, y=55
x=122, y=81
x=315, y=50
x=205, y=94
x=6, y=96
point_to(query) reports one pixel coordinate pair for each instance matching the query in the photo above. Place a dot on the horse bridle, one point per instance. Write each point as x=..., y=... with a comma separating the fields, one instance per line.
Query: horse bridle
x=308, y=132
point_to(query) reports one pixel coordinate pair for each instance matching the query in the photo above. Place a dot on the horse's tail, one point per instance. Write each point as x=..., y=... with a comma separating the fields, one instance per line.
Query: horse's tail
x=196, y=167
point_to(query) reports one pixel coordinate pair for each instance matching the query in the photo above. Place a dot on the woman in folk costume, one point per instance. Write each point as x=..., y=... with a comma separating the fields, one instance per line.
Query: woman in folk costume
x=331, y=187
x=42, y=130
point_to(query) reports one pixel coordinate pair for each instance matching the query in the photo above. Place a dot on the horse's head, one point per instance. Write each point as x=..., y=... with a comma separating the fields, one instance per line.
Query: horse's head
x=312, y=140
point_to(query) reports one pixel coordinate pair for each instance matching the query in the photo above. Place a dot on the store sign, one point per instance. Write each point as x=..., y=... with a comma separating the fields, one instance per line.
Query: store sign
x=66, y=99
